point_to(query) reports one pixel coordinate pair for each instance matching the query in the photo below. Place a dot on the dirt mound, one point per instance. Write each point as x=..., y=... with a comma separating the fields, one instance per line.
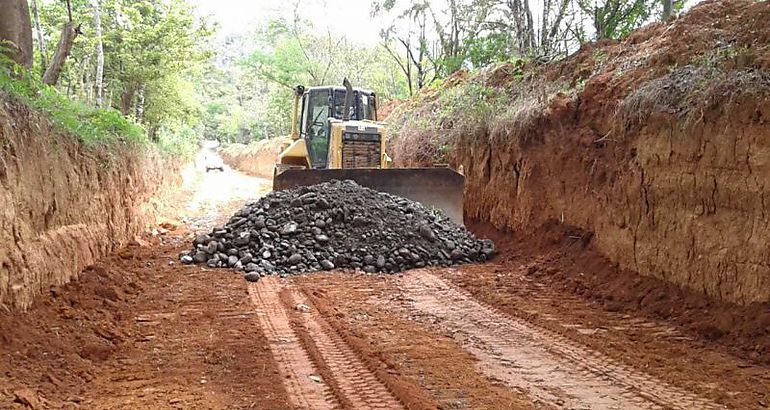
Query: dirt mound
x=384, y=111
x=337, y=224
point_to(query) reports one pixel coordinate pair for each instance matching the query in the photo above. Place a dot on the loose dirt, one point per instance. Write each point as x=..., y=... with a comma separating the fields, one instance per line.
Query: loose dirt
x=297, y=370
x=654, y=143
x=559, y=283
x=139, y=330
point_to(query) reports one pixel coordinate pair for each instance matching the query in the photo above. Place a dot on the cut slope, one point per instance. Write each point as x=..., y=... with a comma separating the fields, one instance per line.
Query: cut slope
x=63, y=205
x=657, y=145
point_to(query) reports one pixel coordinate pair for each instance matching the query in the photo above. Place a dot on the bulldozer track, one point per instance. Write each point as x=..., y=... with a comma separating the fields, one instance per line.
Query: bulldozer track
x=347, y=382
x=359, y=386
x=294, y=363
x=543, y=295
x=549, y=366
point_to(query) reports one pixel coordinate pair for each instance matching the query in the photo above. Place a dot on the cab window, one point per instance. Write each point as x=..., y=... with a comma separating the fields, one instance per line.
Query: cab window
x=317, y=127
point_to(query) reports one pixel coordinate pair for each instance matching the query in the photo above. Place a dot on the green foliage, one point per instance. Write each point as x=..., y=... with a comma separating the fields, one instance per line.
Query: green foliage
x=289, y=55
x=172, y=101
x=617, y=18
x=251, y=97
x=153, y=50
x=283, y=58
x=483, y=51
x=470, y=100
x=92, y=126
x=178, y=141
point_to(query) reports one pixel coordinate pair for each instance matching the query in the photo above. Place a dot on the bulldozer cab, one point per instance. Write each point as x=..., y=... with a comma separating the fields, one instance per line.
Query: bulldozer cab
x=319, y=105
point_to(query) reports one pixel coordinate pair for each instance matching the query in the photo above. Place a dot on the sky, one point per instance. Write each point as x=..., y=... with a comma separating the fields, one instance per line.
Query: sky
x=348, y=17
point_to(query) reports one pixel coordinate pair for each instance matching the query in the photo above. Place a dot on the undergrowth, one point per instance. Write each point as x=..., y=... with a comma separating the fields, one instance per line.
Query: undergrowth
x=718, y=79
x=93, y=126
x=180, y=141
x=498, y=102
x=104, y=127
x=690, y=91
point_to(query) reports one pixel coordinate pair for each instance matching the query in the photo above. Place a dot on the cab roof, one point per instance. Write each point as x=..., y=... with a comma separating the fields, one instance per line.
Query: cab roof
x=337, y=88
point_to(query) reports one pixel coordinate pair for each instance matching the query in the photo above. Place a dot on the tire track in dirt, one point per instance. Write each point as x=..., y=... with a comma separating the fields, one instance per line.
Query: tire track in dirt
x=315, y=349
x=541, y=294
x=359, y=387
x=547, y=365
x=293, y=361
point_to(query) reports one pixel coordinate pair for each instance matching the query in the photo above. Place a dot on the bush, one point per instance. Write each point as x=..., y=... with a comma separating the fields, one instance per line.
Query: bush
x=93, y=126
x=180, y=142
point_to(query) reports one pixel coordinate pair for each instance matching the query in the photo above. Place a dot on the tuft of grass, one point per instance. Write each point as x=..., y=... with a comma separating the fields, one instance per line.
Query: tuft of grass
x=689, y=91
x=91, y=125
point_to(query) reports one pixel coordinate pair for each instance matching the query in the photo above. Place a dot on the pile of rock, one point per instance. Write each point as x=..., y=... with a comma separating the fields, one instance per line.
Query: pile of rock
x=337, y=224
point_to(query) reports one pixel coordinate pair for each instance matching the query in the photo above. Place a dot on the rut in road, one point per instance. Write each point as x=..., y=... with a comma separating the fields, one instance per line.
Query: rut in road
x=550, y=367
x=348, y=383
x=293, y=361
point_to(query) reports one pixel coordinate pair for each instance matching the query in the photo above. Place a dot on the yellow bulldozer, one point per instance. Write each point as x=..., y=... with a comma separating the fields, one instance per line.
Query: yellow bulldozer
x=336, y=135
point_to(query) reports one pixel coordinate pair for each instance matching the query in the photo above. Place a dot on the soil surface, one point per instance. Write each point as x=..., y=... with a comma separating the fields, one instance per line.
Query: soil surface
x=139, y=330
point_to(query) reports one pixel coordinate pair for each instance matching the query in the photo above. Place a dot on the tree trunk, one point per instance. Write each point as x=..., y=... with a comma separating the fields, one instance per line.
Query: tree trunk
x=15, y=28
x=152, y=132
x=518, y=22
x=598, y=26
x=63, y=49
x=409, y=72
x=86, y=89
x=139, y=112
x=529, y=30
x=127, y=100
x=544, y=27
x=99, y=54
x=40, y=38
x=668, y=7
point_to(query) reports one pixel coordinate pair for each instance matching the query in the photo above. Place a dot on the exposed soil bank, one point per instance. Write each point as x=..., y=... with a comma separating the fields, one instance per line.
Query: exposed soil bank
x=257, y=159
x=657, y=145
x=64, y=206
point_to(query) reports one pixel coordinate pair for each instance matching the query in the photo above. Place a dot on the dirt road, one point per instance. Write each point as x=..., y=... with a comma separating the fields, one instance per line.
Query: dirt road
x=140, y=331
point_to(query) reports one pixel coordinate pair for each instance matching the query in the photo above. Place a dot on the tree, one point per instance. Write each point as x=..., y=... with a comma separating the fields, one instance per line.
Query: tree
x=151, y=40
x=250, y=97
x=40, y=37
x=667, y=6
x=98, y=82
x=617, y=18
x=16, y=30
x=468, y=34
x=420, y=60
x=546, y=38
x=63, y=50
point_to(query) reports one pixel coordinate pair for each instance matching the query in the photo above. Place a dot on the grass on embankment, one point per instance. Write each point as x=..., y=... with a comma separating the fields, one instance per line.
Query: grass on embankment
x=105, y=127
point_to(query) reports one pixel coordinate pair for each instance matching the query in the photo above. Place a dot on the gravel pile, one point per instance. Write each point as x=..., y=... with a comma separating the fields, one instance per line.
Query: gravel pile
x=337, y=224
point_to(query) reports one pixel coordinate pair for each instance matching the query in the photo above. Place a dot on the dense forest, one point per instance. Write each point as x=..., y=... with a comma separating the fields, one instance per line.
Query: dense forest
x=157, y=71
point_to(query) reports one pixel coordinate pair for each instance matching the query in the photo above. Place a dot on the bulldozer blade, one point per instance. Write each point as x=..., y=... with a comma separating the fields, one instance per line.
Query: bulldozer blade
x=440, y=188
